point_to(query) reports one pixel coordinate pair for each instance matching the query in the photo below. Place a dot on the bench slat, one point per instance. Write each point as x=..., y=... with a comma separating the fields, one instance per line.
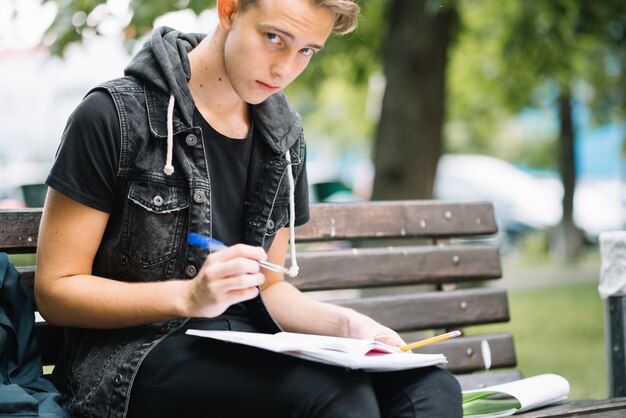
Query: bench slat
x=20, y=229
x=464, y=353
x=428, y=310
x=431, y=310
x=398, y=219
x=345, y=269
x=342, y=269
x=328, y=222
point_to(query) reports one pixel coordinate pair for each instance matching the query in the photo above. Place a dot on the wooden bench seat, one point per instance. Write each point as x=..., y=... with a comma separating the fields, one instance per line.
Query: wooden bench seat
x=415, y=266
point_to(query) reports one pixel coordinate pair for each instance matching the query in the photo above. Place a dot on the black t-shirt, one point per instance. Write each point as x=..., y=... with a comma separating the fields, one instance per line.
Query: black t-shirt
x=228, y=161
x=86, y=166
x=85, y=169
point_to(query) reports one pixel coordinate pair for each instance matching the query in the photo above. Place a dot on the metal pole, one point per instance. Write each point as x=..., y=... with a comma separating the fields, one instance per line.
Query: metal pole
x=615, y=314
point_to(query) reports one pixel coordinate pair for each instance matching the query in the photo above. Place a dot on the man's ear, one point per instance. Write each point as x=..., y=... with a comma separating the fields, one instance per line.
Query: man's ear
x=226, y=11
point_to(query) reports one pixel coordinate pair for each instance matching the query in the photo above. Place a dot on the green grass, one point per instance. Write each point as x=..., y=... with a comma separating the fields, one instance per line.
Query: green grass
x=559, y=329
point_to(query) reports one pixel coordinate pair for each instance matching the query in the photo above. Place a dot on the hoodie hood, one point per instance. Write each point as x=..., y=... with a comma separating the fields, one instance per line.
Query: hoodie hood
x=163, y=63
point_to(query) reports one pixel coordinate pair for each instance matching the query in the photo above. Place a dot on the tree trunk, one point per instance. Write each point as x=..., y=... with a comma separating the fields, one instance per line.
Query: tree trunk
x=568, y=240
x=409, y=136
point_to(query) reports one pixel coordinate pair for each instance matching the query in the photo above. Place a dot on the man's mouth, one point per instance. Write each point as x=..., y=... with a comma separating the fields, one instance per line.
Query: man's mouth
x=267, y=87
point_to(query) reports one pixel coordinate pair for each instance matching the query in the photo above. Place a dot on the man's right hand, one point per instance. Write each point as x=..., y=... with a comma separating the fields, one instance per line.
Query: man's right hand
x=227, y=277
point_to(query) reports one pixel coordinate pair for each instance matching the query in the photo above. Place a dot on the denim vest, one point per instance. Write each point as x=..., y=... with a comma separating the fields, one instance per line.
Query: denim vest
x=145, y=238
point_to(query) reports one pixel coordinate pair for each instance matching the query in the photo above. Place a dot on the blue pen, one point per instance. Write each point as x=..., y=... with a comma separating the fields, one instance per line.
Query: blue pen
x=211, y=244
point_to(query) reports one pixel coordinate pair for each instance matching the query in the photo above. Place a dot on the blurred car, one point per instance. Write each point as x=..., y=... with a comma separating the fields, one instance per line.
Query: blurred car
x=598, y=205
x=521, y=202
x=525, y=203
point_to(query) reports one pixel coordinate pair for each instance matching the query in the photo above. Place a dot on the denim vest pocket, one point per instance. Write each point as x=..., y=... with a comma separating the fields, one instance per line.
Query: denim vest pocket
x=279, y=217
x=155, y=213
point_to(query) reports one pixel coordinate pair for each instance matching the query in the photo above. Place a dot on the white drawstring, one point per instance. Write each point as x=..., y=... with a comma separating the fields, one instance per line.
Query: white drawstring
x=294, y=269
x=169, y=168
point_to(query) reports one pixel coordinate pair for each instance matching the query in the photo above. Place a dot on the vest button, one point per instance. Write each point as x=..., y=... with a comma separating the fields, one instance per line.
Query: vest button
x=270, y=224
x=118, y=379
x=198, y=197
x=191, y=140
x=158, y=200
x=190, y=271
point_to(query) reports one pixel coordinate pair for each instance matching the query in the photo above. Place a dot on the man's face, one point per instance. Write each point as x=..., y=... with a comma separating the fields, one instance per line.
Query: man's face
x=271, y=43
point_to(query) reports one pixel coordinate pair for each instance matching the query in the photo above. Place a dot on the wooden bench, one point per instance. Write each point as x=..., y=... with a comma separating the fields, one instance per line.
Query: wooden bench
x=415, y=266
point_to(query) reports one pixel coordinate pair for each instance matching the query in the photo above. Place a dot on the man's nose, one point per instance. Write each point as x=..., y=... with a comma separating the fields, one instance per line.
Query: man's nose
x=282, y=67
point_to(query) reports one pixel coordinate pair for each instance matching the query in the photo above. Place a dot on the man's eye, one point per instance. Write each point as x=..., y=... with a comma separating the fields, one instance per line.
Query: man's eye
x=307, y=51
x=273, y=38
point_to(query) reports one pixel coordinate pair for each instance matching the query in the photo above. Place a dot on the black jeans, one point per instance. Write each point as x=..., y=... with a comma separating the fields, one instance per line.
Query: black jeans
x=187, y=376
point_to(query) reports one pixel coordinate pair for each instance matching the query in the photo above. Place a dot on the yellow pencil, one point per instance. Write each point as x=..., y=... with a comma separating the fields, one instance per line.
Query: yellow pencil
x=431, y=340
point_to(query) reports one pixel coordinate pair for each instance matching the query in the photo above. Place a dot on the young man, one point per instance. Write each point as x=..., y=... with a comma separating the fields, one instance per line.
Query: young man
x=197, y=137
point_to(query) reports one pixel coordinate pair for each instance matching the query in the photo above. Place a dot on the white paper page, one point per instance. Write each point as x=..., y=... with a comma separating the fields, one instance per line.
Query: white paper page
x=312, y=347
x=266, y=341
x=285, y=341
x=348, y=345
x=379, y=363
x=533, y=392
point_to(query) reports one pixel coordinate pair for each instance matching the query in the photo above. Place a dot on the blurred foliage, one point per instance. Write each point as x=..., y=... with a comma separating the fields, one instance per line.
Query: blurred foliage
x=77, y=18
x=515, y=54
x=538, y=153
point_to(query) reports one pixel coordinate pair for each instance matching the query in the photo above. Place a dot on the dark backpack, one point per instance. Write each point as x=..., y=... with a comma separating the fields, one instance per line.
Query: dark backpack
x=24, y=391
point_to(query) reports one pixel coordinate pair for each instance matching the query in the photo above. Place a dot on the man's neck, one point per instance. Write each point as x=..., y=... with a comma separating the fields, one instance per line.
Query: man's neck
x=212, y=91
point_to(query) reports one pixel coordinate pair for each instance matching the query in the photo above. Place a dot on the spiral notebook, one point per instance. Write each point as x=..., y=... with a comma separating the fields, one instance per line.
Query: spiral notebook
x=344, y=352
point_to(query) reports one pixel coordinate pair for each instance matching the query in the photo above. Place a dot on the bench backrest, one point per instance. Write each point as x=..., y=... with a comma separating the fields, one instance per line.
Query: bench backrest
x=414, y=266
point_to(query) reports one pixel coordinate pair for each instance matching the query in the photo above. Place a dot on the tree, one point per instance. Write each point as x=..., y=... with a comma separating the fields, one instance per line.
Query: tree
x=409, y=140
x=554, y=46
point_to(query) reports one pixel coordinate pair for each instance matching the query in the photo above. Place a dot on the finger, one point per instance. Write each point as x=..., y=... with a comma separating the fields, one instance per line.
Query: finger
x=241, y=295
x=235, y=283
x=239, y=250
x=390, y=339
x=221, y=304
x=232, y=267
x=228, y=297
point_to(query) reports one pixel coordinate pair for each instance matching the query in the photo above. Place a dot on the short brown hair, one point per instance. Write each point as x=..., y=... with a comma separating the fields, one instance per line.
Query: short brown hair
x=346, y=12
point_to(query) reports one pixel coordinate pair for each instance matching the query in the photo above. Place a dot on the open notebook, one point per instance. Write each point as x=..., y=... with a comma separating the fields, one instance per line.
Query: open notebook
x=513, y=397
x=337, y=351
